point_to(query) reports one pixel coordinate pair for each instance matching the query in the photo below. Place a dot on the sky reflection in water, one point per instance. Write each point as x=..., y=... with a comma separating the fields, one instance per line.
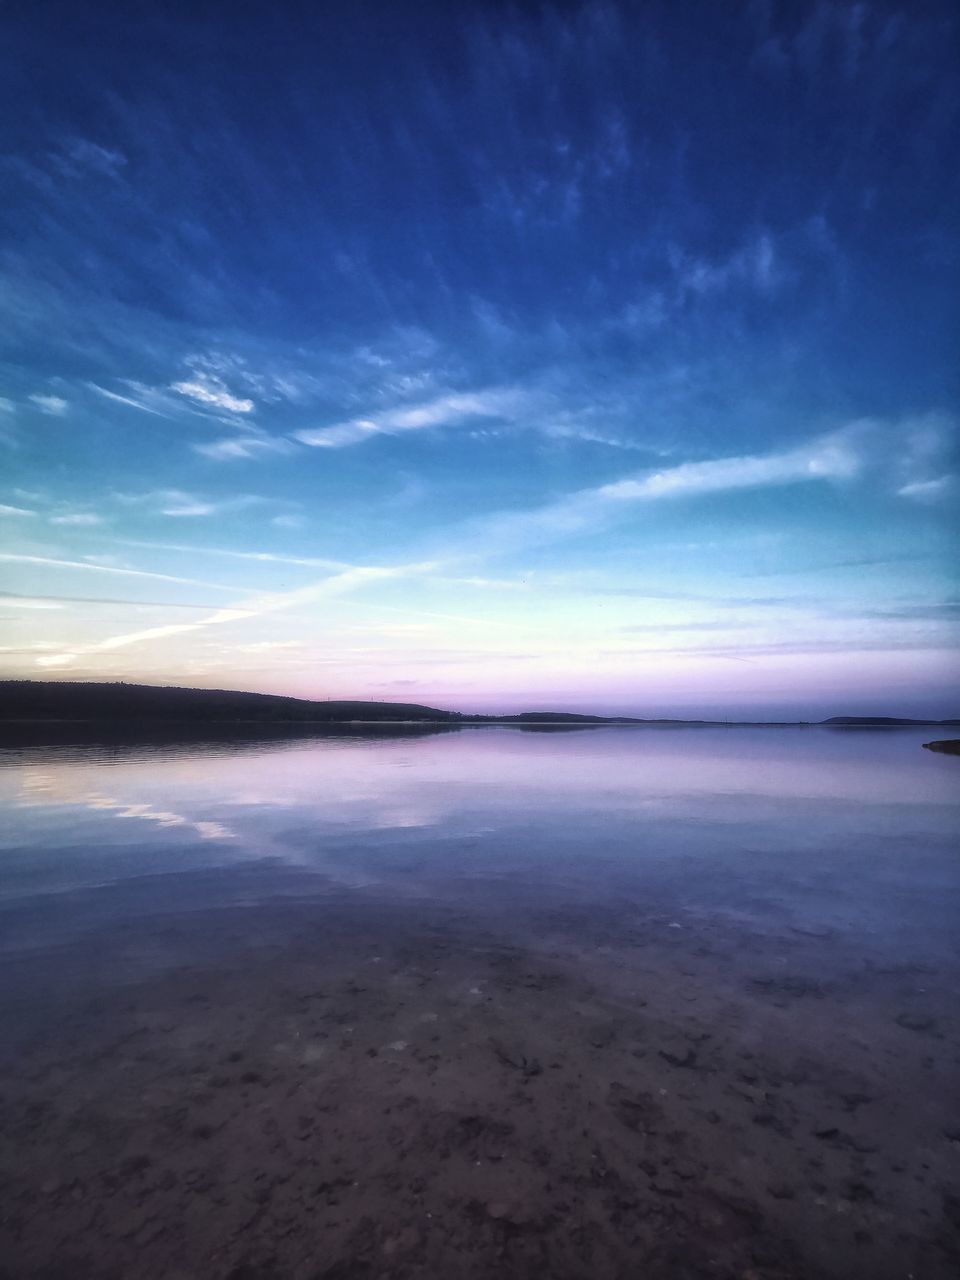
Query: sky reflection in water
x=823, y=824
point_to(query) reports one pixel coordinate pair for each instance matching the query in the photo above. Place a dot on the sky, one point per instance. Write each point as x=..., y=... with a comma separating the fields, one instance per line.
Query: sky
x=491, y=356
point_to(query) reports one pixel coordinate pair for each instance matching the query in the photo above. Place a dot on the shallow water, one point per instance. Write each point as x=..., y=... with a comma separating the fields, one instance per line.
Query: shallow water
x=706, y=941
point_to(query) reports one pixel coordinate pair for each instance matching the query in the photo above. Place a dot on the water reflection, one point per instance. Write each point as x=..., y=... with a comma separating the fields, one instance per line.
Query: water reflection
x=43, y=788
x=587, y=792
x=104, y=742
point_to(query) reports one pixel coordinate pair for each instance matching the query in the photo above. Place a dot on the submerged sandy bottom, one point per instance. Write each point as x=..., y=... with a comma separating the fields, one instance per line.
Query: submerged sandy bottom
x=341, y=1086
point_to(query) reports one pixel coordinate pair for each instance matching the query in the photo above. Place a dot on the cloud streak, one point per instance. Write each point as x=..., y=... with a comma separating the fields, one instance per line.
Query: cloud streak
x=21, y=601
x=80, y=520
x=263, y=557
x=929, y=490
x=85, y=566
x=444, y=411
x=52, y=406
x=833, y=457
x=250, y=607
x=251, y=444
x=178, y=504
x=829, y=458
x=130, y=400
x=210, y=392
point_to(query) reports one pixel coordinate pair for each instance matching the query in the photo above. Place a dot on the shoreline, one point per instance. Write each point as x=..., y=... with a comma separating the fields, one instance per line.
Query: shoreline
x=467, y=722
x=120, y=703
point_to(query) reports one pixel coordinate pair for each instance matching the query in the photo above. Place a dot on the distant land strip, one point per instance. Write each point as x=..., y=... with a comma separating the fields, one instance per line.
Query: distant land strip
x=118, y=702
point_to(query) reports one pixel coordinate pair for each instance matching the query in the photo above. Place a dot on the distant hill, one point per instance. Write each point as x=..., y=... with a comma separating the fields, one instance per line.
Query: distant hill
x=71, y=700
x=141, y=704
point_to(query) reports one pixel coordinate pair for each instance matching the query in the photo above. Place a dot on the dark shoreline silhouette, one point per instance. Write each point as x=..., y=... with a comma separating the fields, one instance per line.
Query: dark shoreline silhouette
x=139, y=706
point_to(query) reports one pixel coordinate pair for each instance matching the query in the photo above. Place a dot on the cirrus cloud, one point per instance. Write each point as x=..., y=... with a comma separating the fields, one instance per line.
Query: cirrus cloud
x=444, y=411
x=52, y=406
x=210, y=392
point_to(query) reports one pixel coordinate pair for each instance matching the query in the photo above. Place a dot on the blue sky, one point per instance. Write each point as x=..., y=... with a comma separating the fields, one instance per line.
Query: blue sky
x=486, y=355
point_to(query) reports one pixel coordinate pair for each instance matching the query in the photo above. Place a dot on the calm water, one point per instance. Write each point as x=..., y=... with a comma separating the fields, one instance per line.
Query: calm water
x=837, y=827
x=586, y=1004
x=820, y=822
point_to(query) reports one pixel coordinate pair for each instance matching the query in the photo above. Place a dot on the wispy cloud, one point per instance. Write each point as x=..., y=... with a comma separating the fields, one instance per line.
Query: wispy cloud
x=204, y=397
x=53, y=406
x=51, y=562
x=827, y=458
x=179, y=504
x=929, y=490
x=265, y=557
x=207, y=390
x=938, y=611
x=187, y=506
x=249, y=607
x=82, y=519
x=444, y=411
x=202, y=394
x=843, y=42
x=79, y=154
x=830, y=458
x=140, y=400
x=755, y=264
x=15, y=511
x=21, y=601
x=778, y=648
x=251, y=444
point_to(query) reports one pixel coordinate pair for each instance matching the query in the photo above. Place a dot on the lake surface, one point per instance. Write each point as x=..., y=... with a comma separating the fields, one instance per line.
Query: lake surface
x=607, y=1002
